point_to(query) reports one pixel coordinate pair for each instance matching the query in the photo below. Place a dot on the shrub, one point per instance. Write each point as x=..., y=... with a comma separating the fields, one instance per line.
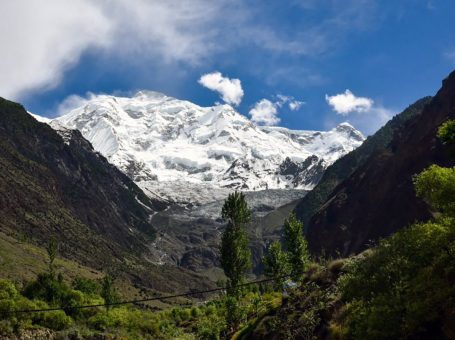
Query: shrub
x=56, y=320
x=404, y=286
x=7, y=290
x=86, y=286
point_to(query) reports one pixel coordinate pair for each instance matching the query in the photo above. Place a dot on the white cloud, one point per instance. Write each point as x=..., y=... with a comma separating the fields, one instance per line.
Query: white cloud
x=295, y=105
x=230, y=89
x=292, y=103
x=347, y=102
x=42, y=40
x=369, y=122
x=72, y=102
x=361, y=112
x=265, y=112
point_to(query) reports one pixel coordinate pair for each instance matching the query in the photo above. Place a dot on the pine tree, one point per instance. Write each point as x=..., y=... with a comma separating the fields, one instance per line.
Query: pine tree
x=235, y=254
x=296, y=246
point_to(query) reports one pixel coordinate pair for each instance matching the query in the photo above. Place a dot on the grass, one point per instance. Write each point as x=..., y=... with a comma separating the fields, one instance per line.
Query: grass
x=21, y=261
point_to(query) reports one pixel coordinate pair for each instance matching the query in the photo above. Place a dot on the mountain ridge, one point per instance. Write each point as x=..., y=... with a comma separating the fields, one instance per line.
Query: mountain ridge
x=158, y=140
x=338, y=227
x=55, y=187
x=342, y=168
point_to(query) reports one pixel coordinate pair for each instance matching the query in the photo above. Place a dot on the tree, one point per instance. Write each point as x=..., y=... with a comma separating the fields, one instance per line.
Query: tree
x=235, y=313
x=436, y=184
x=446, y=132
x=235, y=254
x=401, y=288
x=108, y=292
x=296, y=246
x=276, y=264
x=52, y=250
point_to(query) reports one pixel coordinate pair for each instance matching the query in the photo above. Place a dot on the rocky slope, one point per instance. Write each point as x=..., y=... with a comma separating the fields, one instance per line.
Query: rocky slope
x=378, y=198
x=189, y=236
x=342, y=168
x=172, y=148
x=59, y=187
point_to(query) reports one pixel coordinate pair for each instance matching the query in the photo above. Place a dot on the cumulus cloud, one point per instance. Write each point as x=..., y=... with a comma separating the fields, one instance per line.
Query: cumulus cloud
x=295, y=105
x=292, y=103
x=45, y=41
x=367, y=122
x=347, y=102
x=50, y=38
x=361, y=112
x=265, y=112
x=230, y=90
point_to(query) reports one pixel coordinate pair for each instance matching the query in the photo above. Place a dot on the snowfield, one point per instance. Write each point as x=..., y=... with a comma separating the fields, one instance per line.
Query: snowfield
x=172, y=147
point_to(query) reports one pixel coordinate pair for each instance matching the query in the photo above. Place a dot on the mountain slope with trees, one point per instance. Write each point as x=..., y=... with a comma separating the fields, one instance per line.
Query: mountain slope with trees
x=378, y=198
x=346, y=165
x=403, y=288
x=58, y=187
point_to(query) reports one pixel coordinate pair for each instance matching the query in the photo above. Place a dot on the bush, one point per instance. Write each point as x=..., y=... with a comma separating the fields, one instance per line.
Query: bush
x=56, y=320
x=404, y=287
x=195, y=312
x=211, y=327
x=86, y=286
x=7, y=290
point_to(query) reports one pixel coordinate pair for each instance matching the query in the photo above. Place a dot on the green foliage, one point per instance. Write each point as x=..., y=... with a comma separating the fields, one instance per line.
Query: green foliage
x=47, y=288
x=86, y=286
x=235, y=210
x=235, y=253
x=52, y=250
x=446, y=132
x=7, y=290
x=11, y=300
x=276, y=264
x=56, y=320
x=128, y=318
x=235, y=312
x=296, y=246
x=404, y=286
x=437, y=185
x=210, y=327
x=206, y=321
x=57, y=293
x=108, y=292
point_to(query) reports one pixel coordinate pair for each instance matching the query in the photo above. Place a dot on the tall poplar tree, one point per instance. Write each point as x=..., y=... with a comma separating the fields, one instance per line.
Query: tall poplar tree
x=296, y=246
x=235, y=253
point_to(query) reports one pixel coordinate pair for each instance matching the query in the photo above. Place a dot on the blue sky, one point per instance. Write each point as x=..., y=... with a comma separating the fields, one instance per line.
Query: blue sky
x=386, y=53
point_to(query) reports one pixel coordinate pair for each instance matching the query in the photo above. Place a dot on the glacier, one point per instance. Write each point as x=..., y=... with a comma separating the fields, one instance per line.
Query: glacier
x=182, y=152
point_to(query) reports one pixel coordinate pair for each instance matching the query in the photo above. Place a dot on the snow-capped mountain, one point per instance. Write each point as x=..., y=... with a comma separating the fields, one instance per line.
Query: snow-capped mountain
x=164, y=143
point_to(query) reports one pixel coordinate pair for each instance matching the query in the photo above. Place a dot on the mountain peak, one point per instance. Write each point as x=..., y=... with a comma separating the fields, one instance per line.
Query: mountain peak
x=159, y=140
x=345, y=127
x=149, y=95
